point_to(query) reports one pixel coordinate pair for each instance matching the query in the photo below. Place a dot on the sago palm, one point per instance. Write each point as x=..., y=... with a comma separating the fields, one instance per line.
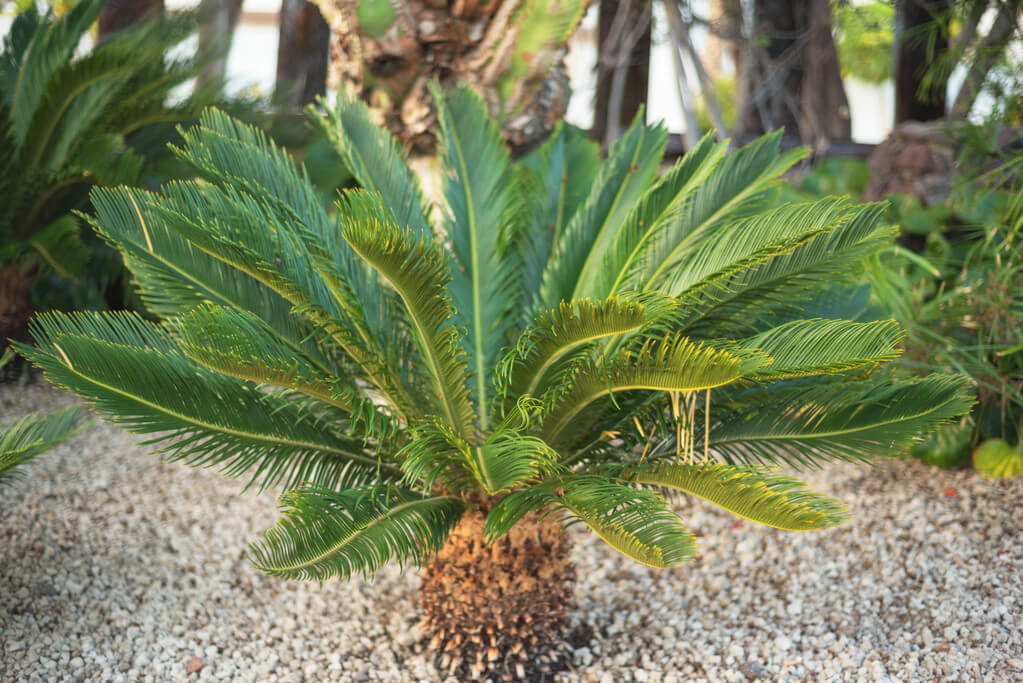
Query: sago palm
x=69, y=121
x=567, y=340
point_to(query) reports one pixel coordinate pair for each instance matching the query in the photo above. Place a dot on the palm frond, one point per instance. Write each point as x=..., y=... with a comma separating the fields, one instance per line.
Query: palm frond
x=53, y=41
x=480, y=195
x=637, y=523
x=673, y=364
x=374, y=158
x=326, y=534
x=662, y=205
x=34, y=434
x=623, y=178
x=553, y=180
x=418, y=270
x=735, y=243
x=784, y=280
x=174, y=276
x=239, y=344
x=231, y=153
x=815, y=346
x=557, y=332
x=131, y=371
x=757, y=494
x=849, y=420
x=738, y=186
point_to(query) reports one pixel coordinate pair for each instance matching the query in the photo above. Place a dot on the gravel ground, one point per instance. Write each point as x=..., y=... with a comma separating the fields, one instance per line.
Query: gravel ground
x=115, y=566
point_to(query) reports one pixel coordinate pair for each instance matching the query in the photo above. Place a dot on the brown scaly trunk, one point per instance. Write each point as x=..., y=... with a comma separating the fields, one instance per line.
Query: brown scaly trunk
x=499, y=611
x=465, y=41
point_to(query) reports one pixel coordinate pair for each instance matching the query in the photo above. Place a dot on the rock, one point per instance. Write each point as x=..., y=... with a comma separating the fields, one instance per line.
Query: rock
x=194, y=664
x=45, y=589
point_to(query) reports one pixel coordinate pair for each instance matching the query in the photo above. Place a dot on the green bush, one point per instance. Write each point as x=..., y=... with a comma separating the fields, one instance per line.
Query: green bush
x=571, y=336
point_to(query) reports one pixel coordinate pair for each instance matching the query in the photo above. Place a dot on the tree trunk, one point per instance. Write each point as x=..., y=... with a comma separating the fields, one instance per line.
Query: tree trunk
x=15, y=302
x=795, y=82
x=301, y=54
x=914, y=54
x=990, y=51
x=120, y=14
x=220, y=18
x=623, y=51
x=824, y=114
x=499, y=610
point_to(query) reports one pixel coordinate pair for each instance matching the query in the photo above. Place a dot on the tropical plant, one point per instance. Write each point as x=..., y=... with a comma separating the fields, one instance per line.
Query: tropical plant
x=960, y=302
x=512, y=52
x=572, y=341
x=69, y=121
x=33, y=434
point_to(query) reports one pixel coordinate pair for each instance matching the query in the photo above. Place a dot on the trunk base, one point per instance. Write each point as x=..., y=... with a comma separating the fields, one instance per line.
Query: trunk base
x=500, y=611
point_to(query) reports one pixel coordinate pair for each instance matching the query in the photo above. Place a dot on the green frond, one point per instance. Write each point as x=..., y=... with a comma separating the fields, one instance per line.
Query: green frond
x=509, y=459
x=637, y=523
x=557, y=332
x=799, y=424
x=734, y=243
x=231, y=153
x=623, y=178
x=815, y=346
x=660, y=206
x=418, y=270
x=33, y=434
x=49, y=43
x=480, y=194
x=777, y=285
x=75, y=99
x=239, y=344
x=553, y=180
x=757, y=494
x=737, y=187
x=374, y=158
x=326, y=534
x=437, y=456
x=174, y=276
x=131, y=371
x=673, y=364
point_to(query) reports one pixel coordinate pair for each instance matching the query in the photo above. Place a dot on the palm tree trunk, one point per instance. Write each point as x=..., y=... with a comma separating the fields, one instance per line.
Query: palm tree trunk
x=301, y=54
x=120, y=14
x=15, y=302
x=499, y=610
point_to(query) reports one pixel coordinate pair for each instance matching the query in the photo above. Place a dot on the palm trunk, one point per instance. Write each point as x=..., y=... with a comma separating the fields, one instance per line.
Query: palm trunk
x=15, y=309
x=499, y=610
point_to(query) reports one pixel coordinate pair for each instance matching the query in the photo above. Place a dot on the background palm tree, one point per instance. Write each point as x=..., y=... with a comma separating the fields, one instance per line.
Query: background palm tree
x=68, y=122
x=574, y=341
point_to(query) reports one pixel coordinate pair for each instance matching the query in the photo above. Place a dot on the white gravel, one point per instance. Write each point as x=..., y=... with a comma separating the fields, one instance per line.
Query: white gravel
x=115, y=566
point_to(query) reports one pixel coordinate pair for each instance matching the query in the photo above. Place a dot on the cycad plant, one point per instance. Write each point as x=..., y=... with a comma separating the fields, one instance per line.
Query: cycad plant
x=569, y=340
x=69, y=121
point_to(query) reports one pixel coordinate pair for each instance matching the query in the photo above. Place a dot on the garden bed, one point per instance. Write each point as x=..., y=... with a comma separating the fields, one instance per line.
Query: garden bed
x=116, y=566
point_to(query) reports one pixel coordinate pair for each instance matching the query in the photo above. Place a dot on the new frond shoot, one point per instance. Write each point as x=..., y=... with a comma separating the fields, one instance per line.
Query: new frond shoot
x=481, y=376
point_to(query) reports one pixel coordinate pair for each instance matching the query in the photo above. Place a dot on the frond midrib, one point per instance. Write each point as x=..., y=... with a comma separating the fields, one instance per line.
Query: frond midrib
x=592, y=257
x=805, y=436
x=347, y=540
x=256, y=436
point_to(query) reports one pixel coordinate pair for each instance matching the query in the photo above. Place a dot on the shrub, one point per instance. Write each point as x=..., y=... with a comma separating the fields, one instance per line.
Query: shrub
x=574, y=341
